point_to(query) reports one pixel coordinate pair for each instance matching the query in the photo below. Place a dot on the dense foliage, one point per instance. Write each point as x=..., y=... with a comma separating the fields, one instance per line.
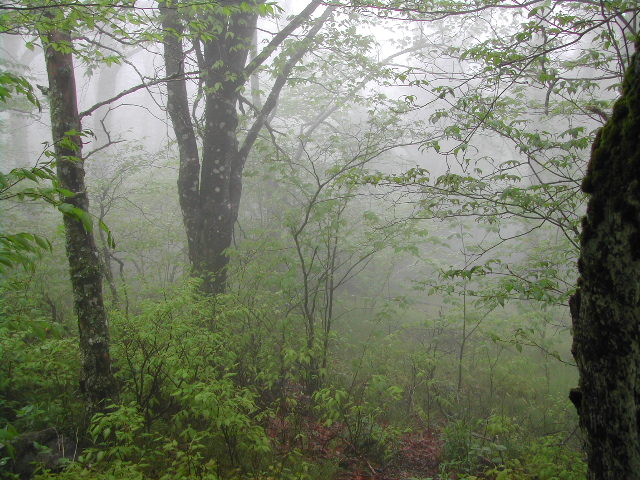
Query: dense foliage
x=392, y=301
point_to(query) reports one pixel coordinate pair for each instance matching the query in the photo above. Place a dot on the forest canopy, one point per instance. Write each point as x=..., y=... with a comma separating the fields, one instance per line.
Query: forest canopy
x=322, y=239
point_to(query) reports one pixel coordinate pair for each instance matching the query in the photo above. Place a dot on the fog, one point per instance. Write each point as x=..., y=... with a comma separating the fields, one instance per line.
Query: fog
x=332, y=242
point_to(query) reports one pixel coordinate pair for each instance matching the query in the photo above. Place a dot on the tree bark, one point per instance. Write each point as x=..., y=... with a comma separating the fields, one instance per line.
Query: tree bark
x=210, y=183
x=97, y=381
x=606, y=307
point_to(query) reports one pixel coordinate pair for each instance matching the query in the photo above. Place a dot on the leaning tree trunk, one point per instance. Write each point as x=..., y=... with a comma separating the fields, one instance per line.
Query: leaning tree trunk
x=97, y=381
x=606, y=306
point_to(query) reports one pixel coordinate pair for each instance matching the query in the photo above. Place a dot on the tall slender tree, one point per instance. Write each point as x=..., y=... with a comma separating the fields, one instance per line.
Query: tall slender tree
x=97, y=380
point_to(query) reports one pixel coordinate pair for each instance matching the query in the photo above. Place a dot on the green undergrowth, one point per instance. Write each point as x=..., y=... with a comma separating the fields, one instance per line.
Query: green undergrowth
x=38, y=378
x=192, y=404
x=213, y=388
x=496, y=448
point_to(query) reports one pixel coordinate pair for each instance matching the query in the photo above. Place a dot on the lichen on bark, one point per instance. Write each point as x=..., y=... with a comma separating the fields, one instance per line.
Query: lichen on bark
x=97, y=381
x=606, y=306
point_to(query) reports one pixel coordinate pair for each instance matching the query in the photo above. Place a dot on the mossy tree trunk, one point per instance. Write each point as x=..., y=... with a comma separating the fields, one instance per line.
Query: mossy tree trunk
x=97, y=381
x=606, y=306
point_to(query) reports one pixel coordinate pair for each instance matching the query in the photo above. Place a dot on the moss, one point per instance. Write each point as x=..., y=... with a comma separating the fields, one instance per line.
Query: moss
x=587, y=182
x=84, y=266
x=606, y=309
x=634, y=245
x=620, y=110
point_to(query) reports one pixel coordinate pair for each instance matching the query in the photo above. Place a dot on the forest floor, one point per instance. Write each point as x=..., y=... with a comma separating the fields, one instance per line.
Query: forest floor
x=418, y=457
x=416, y=454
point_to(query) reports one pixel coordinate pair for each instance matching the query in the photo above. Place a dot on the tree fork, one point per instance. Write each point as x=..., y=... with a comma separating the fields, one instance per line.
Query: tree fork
x=210, y=182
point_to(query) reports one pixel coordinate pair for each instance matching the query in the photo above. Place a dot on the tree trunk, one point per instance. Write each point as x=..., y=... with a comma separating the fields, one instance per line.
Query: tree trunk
x=97, y=381
x=606, y=307
x=210, y=185
x=208, y=200
x=178, y=109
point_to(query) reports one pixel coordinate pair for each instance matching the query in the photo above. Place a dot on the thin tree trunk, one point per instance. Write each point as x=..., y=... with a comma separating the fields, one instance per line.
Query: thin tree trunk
x=97, y=381
x=606, y=307
x=178, y=109
x=463, y=340
x=106, y=262
x=256, y=98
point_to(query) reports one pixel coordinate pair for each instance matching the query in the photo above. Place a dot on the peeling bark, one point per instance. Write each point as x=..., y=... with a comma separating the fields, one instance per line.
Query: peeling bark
x=606, y=307
x=97, y=381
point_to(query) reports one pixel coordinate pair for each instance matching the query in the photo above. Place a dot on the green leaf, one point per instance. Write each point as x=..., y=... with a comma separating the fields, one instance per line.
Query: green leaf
x=110, y=241
x=77, y=213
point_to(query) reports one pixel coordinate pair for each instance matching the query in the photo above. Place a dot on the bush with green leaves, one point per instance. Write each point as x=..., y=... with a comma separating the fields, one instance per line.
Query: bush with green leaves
x=184, y=410
x=38, y=365
x=548, y=458
x=181, y=412
x=473, y=446
x=494, y=448
x=360, y=412
x=39, y=387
